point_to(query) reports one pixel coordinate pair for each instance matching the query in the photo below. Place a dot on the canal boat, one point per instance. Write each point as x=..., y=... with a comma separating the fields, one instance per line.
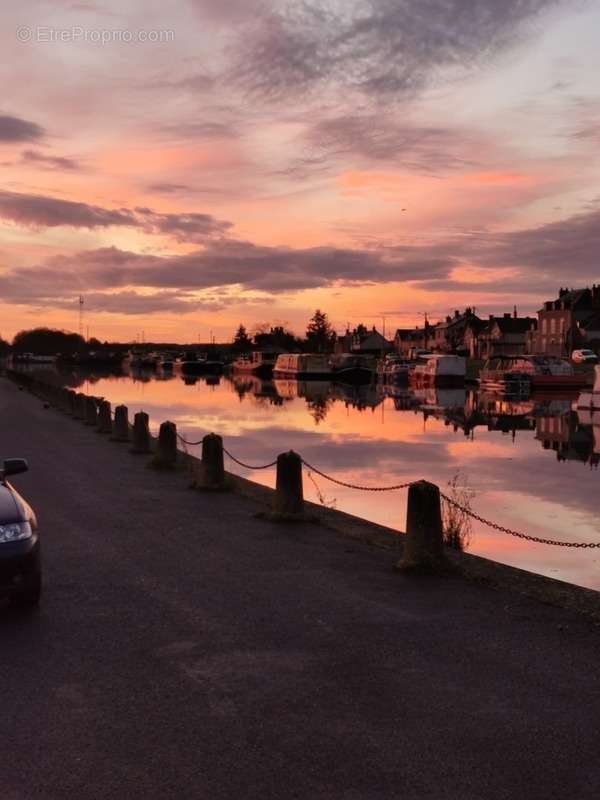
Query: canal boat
x=351, y=368
x=259, y=362
x=194, y=364
x=590, y=400
x=521, y=374
x=305, y=366
x=393, y=369
x=438, y=370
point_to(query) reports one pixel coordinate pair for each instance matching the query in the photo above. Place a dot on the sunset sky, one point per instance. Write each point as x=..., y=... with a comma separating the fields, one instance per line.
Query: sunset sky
x=368, y=157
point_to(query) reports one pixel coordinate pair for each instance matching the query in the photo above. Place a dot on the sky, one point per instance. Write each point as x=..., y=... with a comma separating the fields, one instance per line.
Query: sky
x=192, y=165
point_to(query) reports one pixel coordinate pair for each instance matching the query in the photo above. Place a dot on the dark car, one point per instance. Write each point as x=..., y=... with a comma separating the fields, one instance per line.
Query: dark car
x=20, y=564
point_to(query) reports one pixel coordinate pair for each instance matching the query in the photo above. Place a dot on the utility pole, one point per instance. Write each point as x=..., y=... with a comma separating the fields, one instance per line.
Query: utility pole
x=81, y=315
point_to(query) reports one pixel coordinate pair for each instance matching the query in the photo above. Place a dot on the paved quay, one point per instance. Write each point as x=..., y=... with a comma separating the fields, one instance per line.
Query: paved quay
x=187, y=649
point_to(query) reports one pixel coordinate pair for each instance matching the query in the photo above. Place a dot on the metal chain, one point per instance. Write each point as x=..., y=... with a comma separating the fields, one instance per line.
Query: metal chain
x=517, y=534
x=190, y=444
x=356, y=485
x=248, y=466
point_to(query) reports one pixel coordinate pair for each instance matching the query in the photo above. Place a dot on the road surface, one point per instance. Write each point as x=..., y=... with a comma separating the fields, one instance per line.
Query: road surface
x=187, y=649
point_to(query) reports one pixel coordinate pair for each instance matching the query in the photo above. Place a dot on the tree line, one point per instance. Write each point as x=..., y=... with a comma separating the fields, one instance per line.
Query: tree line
x=319, y=338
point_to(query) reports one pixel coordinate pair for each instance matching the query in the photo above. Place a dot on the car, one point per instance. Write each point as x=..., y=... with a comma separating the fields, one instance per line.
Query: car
x=584, y=357
x=20, y=560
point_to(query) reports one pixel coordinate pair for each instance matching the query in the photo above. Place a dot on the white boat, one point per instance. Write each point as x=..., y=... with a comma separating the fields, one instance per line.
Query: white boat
x=438, y=370
x=591, y=400
x=302, y=365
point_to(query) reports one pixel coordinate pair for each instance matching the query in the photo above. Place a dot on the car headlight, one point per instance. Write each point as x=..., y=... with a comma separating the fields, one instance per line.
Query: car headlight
x=14, y=532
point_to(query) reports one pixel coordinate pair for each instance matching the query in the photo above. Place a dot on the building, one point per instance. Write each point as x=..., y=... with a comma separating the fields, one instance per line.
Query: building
x=363, y=341
x=507, y=335
x=407, y=340
x=449, y=336
x=569, y=322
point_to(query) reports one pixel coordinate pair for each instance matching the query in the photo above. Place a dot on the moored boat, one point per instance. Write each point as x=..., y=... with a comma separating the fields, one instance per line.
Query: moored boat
x=591, y=399
x=519, y=374
x=259, y=362
x=311, y=366
x=393, y=369
x=351, y=368
x=438, y=370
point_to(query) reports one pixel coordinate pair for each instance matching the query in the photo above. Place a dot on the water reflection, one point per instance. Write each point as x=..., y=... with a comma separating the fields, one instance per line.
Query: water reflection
x=532, y=462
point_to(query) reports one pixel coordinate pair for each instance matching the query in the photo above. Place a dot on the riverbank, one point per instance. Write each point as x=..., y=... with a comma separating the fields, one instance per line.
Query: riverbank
x=186, y=647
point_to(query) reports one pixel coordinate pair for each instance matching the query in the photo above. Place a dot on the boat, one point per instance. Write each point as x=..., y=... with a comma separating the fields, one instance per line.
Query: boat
x=193, y=364
x=590, y=400
x=393, y=369
x=32, y=358
x=311, y=366
x=438, y=370
x=521, y=374
x=259, y=362
x=351, y=368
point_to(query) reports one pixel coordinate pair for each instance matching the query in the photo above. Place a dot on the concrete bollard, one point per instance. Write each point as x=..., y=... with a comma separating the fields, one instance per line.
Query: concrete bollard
x=165, y=456
x=211, y=475
x=80, y=406
x=141, y=433
x=289, y=496
x=91, y=411
x=121, y=425
x=424, y=540
x=71, y=401
x=104, y=417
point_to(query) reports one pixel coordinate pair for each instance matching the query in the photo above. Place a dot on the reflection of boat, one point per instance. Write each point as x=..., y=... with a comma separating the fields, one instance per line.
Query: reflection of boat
x=259, y=363
x=438, y=370
x=290, y=389
x=351, y=368
x=358, y=396
x=310, y=366
x=591, y=400
x=523, y=373
x=440, y=399
x=393, y=369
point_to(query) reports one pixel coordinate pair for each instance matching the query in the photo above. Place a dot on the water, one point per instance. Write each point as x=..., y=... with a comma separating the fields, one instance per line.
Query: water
x=532, y=465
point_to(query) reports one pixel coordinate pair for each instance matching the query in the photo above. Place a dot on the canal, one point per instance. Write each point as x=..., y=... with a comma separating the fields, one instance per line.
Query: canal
x=530, y=465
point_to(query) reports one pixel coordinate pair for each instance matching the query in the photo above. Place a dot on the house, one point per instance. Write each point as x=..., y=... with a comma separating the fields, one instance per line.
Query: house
x=408, y=339
x=503, y=336
x=364, y=341
x=569, y=322
x=449, y=336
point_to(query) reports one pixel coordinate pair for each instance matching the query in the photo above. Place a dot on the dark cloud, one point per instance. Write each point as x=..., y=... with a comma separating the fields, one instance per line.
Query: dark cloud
x=168, y=188
x=378, y=137
x=42, y=211
x=541, y=258
x=199, y=130
x=14, y=129
x=50, y=212
x=50, y=162
x=383, y=48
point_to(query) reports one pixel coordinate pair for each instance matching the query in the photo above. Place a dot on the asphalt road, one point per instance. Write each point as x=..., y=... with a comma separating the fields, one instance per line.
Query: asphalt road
x=186, y=649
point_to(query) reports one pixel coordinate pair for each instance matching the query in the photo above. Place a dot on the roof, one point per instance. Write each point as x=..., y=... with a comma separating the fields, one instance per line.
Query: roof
x=512, y=325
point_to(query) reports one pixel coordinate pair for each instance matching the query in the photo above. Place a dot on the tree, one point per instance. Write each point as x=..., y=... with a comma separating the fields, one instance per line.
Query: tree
x=276, y=337
x=4, y=347
x=320, y=336
x=241, y=341
x=48, y=342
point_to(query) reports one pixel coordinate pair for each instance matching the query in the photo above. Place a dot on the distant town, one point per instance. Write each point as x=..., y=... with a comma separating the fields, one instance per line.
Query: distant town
x=565, y=323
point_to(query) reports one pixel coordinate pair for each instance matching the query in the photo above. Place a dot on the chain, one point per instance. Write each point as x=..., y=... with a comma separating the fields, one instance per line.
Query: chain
x=248, y=466
x=189, y=444
x=517, y=534
x=356, y=485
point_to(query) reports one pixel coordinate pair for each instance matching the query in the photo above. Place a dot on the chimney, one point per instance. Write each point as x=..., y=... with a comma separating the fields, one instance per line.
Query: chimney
x=491, y=317
x=456, y=314
x=515, y=315
x=448, y=319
